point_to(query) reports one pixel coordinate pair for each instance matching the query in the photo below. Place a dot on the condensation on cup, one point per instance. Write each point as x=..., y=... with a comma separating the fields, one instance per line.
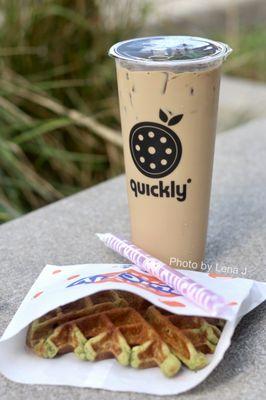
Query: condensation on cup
x=168, y=93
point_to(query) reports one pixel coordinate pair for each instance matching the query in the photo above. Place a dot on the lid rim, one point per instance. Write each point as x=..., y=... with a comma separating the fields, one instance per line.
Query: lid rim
x=224, y=51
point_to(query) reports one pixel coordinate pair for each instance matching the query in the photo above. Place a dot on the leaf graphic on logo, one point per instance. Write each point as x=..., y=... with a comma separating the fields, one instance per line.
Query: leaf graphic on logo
x=163, y=116
x=174, y=120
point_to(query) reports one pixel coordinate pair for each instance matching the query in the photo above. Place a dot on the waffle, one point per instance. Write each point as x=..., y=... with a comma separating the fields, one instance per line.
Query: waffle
x=121, y=325
x=189, y=338
x=138, y=303
x=41, y=328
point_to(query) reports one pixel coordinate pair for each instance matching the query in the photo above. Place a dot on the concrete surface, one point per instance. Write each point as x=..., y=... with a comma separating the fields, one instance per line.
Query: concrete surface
x=240, y=101
x=63, y=233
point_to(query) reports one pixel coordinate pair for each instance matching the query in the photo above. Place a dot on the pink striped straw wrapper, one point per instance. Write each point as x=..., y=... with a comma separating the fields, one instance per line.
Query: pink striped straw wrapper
x=193, y=291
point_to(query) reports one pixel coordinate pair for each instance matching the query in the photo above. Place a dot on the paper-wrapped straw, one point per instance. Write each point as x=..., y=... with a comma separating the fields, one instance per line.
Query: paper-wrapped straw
x=195, y=292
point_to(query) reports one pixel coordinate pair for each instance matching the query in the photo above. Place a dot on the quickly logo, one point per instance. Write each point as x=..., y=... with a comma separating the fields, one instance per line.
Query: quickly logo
x=155, y=148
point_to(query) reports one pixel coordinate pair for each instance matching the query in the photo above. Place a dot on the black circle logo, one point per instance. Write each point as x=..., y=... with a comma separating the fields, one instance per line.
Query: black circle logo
x=155, y=149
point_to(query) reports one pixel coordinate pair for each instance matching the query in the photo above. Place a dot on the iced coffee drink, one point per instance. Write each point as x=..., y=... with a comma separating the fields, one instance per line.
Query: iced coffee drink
x=168, y=93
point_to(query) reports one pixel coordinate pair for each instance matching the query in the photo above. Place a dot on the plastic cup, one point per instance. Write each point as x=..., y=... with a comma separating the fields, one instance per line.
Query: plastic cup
x=168, y=94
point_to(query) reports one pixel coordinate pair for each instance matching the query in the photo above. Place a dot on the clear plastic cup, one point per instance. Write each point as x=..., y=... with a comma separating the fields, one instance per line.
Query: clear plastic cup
x=168, y=93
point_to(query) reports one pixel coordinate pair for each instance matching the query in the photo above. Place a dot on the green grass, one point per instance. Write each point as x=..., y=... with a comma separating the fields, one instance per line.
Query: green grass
x=59, y=120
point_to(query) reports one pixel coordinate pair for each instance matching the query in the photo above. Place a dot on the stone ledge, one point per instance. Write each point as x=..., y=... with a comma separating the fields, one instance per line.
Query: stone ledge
x=240, y=101
x=64, y=233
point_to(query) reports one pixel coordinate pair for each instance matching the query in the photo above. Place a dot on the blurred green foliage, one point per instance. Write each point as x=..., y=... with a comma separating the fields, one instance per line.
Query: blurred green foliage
x=59, y=118
x=248, y=59
x=53, y=60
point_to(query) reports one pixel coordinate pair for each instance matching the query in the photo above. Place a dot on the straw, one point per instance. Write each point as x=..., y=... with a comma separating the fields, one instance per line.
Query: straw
x=177, y=280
